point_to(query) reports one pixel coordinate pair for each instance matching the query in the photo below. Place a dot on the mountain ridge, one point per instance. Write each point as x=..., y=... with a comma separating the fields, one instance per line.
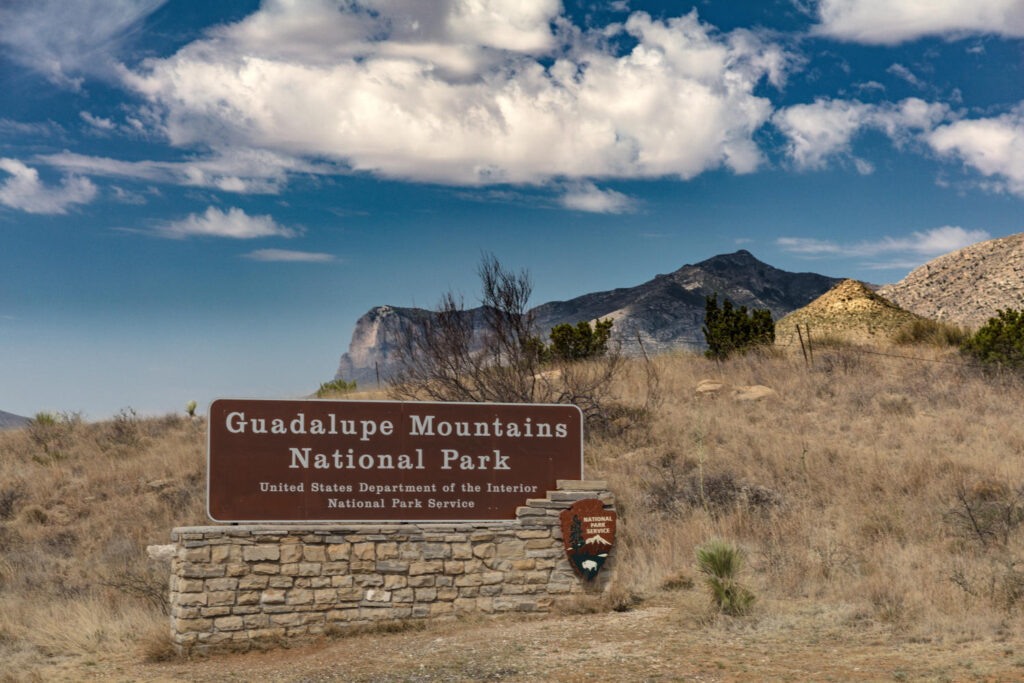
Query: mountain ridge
x=664, y=312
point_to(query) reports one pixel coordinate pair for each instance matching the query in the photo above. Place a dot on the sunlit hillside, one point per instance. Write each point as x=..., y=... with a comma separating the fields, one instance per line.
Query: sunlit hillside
x=886, y=492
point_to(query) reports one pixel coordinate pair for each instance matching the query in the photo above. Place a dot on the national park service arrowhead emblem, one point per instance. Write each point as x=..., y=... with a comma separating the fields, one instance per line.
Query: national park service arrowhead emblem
x=588, y=531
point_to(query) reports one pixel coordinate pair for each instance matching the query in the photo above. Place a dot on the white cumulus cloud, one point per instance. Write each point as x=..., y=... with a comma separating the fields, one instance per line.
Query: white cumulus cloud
x=23, y=189
x=893, y=21
x=823, y=130
x=589, y=197
x=992, y=146
x=288, y=256
x=470, y=93
x=234, y=223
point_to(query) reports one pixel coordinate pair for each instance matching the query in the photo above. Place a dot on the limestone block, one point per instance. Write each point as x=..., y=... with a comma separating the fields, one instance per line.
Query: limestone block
x=261, y=553
x=320, y=582
x=392, y=566
x=252, y=621
x=228, y=623
x=436, y=551
x=272, y=596
x=309, y=569
x=252, y=582
x=236, y=569
x=393, y=581
x=484, y=550
x=350, y=593
x=454, y=567
x=364, y=551
x=425, y=594
x=281, y=582
x=369, y=580
x=387, y=551
x=426, y=567
x=533, y=533
x=248, y=597
x=222, y=554
x=377, y=595
x=341, y=581
x=215, y=611
x=420, y=581
x=286, y=619
x=334, y=568
x=220, y=598
x=226, y=584
x=462, y=551
x=291, y=553
x=299, y=596
x=314, y=553
x=403, y=595
x=191, y=625
x=187, y=599
x=199, y=555
x=290, y=569
x=266, y=568
x=325, y=596
x=201, y=571
x=449, y=593
x=338, y=551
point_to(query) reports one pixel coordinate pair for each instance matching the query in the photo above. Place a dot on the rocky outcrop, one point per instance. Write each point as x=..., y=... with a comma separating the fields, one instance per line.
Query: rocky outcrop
x=664, y=312
x=966, y=286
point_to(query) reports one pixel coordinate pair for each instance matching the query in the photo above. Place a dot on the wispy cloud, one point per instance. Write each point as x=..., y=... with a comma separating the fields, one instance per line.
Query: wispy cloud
x=915, y=247
x=234, y=223
x=66, y=40
x=23, y=189
x=287, y=256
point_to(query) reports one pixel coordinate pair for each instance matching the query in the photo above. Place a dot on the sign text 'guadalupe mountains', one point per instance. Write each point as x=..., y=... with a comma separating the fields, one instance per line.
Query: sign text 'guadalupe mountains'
x=310, y=460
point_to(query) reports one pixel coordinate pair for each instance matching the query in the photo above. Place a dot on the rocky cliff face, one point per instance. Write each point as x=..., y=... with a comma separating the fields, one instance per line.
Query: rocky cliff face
x=665, y=312
x=966, y=286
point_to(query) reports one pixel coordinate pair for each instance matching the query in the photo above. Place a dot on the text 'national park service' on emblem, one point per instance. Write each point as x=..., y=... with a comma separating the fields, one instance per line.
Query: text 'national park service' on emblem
x=588, y=531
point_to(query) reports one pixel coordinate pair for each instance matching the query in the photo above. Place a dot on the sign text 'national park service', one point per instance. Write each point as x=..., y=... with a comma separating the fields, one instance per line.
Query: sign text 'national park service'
x=315, y=460
x=588, y=531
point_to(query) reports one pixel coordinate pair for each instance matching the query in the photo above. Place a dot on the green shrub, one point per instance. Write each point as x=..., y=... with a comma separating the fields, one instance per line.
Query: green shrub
x=579, y=342
x=730, y=330
x=1000, y=341
x=720, y=562
x=934, y=332
x=337, y=386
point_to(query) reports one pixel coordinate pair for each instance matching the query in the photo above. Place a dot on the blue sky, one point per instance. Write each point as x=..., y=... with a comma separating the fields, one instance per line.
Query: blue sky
x=200, y=199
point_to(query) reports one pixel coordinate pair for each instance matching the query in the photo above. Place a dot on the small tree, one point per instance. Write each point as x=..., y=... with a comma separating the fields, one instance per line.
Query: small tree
x=1000, y=341
x=582, y=341
x=729, y=330
x=495, y=353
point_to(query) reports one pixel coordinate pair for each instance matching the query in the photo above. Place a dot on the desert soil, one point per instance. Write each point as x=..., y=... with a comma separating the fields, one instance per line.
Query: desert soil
x=662, y=640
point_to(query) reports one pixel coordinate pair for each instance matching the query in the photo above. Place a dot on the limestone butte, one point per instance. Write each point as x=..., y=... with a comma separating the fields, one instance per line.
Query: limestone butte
x=849, y=311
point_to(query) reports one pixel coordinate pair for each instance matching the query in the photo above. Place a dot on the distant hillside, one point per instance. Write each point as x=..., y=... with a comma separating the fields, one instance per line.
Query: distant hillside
x=666, y=311
x=850, y=310
x=966, y=286
x=11, y=421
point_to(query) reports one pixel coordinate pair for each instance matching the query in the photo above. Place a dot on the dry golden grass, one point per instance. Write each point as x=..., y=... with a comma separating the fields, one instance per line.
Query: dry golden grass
x=885, y=491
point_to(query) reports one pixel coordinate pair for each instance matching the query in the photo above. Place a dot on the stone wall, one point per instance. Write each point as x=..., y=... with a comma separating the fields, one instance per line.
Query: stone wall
x=235, y=583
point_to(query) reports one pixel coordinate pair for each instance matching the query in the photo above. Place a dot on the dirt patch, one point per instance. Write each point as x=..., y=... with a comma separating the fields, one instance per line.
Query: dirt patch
x=671, y=638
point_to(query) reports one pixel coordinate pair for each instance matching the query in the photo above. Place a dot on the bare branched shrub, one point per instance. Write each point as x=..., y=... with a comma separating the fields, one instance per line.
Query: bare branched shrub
x=493, y=354
x=987, y=512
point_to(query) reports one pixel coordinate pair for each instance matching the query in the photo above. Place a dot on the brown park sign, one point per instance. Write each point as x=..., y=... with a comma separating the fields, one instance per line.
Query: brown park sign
x=320, y=461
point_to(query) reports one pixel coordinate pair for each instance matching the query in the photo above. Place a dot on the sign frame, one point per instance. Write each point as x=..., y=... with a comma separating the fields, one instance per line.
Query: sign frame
x=388, y=521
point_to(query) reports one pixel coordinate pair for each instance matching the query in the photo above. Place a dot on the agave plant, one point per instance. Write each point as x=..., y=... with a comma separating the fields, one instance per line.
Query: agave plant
x=720, y=562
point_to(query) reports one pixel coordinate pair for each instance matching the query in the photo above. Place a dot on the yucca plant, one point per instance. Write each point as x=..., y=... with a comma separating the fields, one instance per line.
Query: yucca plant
x=720, y=562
